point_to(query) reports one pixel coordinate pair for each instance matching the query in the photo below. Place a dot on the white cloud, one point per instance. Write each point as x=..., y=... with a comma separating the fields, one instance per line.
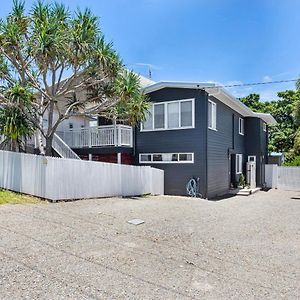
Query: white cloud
x=267, y=78
x=268, y=95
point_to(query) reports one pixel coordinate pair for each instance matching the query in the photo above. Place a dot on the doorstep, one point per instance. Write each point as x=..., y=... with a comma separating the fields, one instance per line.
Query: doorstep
x=244, y=192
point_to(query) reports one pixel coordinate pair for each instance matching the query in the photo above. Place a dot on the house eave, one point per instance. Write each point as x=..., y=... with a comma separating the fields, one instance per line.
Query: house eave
x=213, y=91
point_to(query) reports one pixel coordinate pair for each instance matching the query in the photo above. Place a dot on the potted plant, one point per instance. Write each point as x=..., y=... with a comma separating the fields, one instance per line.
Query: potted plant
x=242, y=181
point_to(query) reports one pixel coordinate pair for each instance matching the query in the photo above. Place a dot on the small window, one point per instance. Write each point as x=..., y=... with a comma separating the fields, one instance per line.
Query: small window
x=70, y=125
x=239, y=163
x=145, y=157
x=241, y=126
x=212, y=115
x=157, y=157
x=252, y=158
x=166, y=158
x=185, y=157
x=264, y=126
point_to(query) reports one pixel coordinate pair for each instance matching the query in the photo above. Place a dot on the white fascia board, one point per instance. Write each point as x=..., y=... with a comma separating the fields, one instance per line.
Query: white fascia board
x=268, y=118
x=218, y=92
x=228, y=99
x=176, y=84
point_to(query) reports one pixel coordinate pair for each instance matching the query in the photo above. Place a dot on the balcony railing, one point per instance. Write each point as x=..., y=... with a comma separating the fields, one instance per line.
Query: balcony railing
x=118, y=135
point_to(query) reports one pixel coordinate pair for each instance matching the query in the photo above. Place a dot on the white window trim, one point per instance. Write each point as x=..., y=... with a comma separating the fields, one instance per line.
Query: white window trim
x=166, y=162
x=215, y=123
x=264, y=127
x=250, y=156
x=240, y=167
x=166, y=116
x=241, y=132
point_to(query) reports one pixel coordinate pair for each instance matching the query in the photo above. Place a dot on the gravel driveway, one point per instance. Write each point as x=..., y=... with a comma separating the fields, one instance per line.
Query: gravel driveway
x=238, y=248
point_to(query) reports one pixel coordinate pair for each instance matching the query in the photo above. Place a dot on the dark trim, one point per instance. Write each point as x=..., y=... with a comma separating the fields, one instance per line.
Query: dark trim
x=102, y=150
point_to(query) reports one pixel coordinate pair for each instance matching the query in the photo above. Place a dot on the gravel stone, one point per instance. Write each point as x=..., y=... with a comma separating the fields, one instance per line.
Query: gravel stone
x=236, y=248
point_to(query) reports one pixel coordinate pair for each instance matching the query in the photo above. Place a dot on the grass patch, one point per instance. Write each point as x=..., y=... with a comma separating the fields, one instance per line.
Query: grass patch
x=7, y=197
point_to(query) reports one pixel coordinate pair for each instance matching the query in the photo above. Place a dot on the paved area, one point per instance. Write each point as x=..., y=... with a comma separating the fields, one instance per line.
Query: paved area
x=238, y=248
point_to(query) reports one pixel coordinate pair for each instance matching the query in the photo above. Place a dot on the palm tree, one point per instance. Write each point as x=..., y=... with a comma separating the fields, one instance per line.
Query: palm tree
x=60, y=54
x=14, y=124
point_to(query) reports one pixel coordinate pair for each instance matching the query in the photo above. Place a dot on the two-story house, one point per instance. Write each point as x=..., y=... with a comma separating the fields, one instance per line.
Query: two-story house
x=193, y=130
x=201, y=131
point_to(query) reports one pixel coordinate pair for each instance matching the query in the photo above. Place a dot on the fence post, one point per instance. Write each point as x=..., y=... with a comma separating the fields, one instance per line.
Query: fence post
x=90, y=137
x=275, y=177
x=119, y=135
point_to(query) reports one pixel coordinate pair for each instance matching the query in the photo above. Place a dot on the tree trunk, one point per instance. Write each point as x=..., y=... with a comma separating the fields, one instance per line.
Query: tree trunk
x=13, y=145
x=49, y=140
x=40, y=143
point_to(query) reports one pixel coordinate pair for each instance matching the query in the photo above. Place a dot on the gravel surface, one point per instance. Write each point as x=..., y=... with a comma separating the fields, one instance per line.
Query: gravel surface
x=237, y=248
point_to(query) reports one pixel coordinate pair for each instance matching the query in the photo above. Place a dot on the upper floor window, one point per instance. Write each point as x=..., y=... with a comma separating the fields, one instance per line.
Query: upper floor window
x=264, y=126
x=241, y=126
x=170, y=115
x=212, y=115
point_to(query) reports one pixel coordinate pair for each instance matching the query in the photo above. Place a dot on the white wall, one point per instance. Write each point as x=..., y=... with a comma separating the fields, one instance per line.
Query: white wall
x=58, y=178
x=77, y=122
x=271, y=176
x=283, y=178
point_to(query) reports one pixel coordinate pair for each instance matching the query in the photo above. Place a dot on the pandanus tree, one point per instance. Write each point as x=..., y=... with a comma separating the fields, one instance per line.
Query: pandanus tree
x=63, y=58
x=15, y=125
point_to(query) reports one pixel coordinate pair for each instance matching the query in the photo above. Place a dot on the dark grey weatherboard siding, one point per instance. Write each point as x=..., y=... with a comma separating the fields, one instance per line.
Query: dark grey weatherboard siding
x=176, y=141
x=256, y=144
x=221, y=143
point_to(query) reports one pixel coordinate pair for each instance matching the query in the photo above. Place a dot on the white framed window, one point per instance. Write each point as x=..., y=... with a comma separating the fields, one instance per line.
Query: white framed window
x=212, y=115
x=252, y=158
x=264, y=126
x=166, y=158
x=239, y=163
x=241, y=126
x=170, y=115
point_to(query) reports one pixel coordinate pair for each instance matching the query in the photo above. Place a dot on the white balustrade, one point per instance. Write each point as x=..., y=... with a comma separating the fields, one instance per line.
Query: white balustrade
x=119, y=135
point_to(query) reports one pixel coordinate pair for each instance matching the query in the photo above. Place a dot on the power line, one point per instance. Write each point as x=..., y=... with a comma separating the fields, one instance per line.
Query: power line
x=251, y=84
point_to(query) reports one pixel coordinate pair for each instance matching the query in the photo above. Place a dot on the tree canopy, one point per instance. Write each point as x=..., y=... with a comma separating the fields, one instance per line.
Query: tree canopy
x=60, y=55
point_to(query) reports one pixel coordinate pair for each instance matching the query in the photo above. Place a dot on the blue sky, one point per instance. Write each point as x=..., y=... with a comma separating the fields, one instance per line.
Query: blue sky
x=227, y=41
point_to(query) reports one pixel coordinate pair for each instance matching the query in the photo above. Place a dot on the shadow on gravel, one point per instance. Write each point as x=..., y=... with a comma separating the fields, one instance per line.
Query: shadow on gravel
x=223, y=197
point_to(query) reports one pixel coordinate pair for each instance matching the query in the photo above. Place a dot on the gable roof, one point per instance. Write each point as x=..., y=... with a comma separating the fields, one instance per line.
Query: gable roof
x=216, y=91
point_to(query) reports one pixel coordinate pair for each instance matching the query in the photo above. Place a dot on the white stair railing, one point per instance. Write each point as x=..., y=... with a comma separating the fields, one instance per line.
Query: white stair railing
x=62, y=148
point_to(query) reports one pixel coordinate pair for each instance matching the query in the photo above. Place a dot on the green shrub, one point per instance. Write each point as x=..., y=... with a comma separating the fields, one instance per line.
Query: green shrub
x=242, y=181
x=295, y=162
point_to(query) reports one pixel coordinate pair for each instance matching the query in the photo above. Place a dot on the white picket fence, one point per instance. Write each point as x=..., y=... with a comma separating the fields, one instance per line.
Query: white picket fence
x=283, y=178
x=61, y=179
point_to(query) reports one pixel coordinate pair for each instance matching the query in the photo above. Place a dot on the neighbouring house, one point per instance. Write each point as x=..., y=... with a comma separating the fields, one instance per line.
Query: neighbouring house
x=193, y=130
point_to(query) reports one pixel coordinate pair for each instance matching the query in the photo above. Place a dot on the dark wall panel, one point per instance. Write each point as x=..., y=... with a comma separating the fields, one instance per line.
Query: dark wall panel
x=182, y=140
x=221, y=143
